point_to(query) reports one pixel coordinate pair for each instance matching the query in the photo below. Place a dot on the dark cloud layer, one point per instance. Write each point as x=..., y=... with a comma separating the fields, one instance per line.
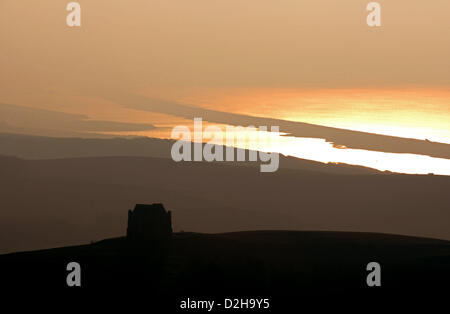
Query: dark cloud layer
x=351, y=139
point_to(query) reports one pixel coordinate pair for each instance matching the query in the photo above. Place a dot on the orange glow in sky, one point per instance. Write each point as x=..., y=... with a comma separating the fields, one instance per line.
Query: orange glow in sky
x=419, y=113
x=411, y=113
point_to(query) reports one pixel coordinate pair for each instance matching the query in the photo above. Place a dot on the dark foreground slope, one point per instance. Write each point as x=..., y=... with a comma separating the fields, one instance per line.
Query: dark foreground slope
x=287, y=267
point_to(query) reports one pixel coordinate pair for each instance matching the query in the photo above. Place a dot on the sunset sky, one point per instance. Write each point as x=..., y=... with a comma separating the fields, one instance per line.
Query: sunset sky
x=304, y=61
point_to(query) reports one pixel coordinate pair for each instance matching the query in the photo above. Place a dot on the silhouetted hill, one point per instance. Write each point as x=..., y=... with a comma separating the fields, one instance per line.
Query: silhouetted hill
x=49, y=203
x=280, y=265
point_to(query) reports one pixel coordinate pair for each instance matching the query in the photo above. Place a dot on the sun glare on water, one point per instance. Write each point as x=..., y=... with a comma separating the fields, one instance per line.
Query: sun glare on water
x=316, y=149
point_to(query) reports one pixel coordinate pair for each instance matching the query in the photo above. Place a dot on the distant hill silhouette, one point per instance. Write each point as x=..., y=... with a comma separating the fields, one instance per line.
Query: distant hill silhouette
x=39, y=147
x=36, y=121
x=50, y=203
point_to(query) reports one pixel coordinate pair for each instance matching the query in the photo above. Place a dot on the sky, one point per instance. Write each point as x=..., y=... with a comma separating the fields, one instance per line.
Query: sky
x=306, y=61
